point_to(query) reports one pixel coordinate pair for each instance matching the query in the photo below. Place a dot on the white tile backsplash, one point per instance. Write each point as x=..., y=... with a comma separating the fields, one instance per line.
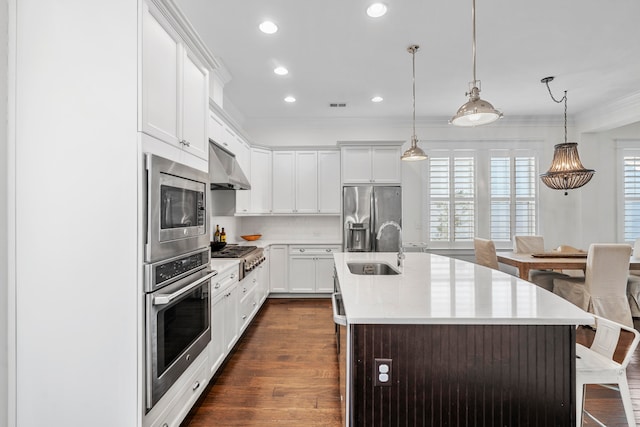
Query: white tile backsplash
x=292, y=227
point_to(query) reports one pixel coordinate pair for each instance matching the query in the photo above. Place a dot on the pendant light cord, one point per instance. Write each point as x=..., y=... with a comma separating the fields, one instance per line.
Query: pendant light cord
x=413, y=52
x=473, y=44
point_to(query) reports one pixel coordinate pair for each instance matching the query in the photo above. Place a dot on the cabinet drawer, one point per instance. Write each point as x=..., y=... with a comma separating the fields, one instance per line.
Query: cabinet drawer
x=223, y=280
x=248, y=304
x=190, y=389
x=314, y=250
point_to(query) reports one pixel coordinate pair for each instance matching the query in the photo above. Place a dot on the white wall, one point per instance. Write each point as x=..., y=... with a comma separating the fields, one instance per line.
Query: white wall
x=76, y=254
x=4, y=13
x=559, y=221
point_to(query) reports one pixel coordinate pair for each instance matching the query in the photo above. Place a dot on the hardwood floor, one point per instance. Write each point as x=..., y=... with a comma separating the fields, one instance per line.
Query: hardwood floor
x=284, y=372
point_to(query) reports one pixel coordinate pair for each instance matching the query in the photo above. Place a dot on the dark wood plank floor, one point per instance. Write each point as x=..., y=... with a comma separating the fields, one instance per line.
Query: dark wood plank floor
x=284, y=372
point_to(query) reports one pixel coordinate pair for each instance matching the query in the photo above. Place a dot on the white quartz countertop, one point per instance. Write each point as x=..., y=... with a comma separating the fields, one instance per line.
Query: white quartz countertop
x=440, y=290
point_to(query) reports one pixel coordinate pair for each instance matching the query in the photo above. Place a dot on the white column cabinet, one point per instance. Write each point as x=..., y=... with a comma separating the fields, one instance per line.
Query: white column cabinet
x=175, y=86
x=260, y=180
x=278, y=269
x=371, y=165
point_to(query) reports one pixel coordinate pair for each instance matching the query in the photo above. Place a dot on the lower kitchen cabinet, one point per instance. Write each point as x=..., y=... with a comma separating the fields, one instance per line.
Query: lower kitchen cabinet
x=179, y=400
x=311, y=268
x=224, y=315
x=248, y=305
x=278, y=270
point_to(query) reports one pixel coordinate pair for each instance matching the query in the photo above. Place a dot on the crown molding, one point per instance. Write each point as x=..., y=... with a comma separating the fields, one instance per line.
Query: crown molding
x=620, y=112
x=172, y=12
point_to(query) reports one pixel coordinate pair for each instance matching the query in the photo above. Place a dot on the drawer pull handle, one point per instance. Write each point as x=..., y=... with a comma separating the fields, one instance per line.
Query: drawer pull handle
x=196, y=385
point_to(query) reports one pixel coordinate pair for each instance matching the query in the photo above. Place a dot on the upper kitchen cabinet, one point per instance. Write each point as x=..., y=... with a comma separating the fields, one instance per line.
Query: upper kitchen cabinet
x=371, y=164
x=260, y=180
x=175, y=86
x=306, y=182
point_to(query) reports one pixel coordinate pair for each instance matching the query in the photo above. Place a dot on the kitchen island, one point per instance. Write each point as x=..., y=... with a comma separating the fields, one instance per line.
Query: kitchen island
x=451, y=343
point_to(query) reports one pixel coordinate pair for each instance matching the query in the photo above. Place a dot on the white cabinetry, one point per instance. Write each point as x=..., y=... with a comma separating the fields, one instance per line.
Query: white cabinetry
x=311, y=268
x=371, y=164
x=306, y=182
x=175, y=87
x=242, y=151
x=263, y=276
x=329, y=182
x=260, y=193
x=278, y=270
x=223, y=316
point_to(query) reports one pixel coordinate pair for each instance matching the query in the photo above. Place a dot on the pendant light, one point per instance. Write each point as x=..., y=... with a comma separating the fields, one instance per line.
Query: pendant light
x=566, y=171
x=414, y=153
x=476, y=111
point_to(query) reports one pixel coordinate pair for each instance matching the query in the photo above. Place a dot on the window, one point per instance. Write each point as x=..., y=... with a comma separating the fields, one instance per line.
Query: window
x=631, y=193
x=513, y=197
x=451, y=198
x=483, y=191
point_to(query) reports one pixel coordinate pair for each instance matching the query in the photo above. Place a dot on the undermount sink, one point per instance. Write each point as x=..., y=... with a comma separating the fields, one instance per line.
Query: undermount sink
x=372, y=268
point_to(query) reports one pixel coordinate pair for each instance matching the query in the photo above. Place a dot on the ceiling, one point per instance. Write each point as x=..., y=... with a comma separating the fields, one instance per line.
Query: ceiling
x=335, y=53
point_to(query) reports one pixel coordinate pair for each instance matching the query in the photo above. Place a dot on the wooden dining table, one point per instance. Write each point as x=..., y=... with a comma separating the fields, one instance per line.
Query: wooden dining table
x=550, y=261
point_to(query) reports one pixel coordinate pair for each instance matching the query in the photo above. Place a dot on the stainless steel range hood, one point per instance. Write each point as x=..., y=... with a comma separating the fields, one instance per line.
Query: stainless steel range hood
x=224, y=171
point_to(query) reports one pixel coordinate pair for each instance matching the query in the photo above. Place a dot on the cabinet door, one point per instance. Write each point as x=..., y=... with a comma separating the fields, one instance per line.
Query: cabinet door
x=386, y=165
x=263, y=276
x=329, y=182
x=260, y=181
x=231, y=317
x=324, y=275
x=216, y=128
x=195, y=105
x=243, y=156
x=302, y=274
x=306, y=182
x=161, y=51
x=218, y=346
x=278, y=271
x=283, y=181
x=356, y=165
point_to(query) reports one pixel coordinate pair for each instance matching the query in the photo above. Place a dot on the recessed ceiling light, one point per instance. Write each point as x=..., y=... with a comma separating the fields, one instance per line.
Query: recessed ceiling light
x=268, y=27
x=376, y=10
x=289, y=99
x=281, y=71
x=377, y=99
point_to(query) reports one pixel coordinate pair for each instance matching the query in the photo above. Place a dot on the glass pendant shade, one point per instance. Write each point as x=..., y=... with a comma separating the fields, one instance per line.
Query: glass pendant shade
x=414, y=153
x=566, y=171
x=475, y=112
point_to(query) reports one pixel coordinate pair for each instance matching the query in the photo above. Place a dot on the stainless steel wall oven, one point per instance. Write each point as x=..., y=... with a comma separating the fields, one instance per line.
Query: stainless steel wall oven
x=177, y=273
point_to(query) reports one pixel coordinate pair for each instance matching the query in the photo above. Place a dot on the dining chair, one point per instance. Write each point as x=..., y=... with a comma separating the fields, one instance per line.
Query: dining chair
x=633, y=284
x=595, y=365
x=533, y=245
x=485, y=251
x=603, y=289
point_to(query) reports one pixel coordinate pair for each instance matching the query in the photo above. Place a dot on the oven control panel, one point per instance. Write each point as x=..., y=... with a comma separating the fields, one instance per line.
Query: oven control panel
x=164, y=272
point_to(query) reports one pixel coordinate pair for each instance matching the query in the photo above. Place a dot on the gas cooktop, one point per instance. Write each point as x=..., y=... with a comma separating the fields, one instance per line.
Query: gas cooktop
x=233, y=251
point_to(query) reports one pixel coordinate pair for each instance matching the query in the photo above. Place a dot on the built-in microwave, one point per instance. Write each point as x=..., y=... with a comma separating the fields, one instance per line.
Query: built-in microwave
x=177, y=220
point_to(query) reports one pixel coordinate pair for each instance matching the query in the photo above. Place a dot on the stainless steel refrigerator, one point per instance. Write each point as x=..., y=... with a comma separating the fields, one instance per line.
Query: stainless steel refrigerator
x=364, y=210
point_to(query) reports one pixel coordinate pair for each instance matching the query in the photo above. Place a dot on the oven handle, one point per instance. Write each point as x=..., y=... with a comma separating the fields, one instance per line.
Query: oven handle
x=163, y=299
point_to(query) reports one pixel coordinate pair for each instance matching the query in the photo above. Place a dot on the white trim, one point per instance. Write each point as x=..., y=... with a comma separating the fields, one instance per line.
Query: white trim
x=615, y=114
x=12, y=386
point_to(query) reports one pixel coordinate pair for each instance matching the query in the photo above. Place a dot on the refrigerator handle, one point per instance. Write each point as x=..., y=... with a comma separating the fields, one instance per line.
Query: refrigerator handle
x=372, y=219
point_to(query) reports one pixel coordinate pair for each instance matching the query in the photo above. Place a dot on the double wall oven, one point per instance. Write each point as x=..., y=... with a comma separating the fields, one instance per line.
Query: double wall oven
x=177, y=273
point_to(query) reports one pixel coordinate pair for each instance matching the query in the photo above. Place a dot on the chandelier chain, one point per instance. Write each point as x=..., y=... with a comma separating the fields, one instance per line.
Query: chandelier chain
x=558, y=101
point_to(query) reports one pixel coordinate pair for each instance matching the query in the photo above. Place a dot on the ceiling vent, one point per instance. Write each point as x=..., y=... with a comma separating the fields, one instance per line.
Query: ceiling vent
x=337, y=105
